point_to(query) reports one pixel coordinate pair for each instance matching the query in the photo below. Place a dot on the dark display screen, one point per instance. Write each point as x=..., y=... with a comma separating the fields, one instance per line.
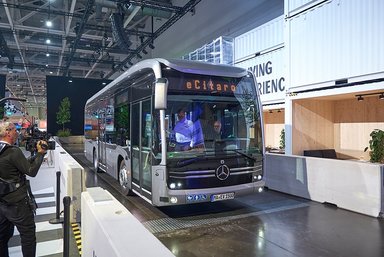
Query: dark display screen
x=202, y=84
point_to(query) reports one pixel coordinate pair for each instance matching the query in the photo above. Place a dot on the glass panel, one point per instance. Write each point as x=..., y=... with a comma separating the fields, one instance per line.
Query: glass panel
x=135, y=143
x=146, y=132
x=210, y=116
x=122, y=124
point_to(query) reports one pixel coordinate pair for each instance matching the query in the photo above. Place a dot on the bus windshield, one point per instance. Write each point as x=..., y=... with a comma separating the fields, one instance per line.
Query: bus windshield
x=210, y=116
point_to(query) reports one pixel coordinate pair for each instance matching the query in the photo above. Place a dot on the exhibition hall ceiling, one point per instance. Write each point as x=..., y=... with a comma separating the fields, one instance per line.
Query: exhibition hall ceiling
x=78, y=38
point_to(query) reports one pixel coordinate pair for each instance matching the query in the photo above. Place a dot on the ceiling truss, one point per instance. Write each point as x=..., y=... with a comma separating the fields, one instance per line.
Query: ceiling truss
x=82, y=41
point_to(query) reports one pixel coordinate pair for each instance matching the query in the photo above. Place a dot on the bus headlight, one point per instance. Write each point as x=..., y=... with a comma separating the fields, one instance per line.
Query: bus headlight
x=260, y=189
x=259, y=177
x=172, y=186
x=173, y=199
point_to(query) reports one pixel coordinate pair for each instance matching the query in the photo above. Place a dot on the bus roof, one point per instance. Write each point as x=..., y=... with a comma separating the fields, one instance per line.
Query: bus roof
x=204, y=68
x=195, y=67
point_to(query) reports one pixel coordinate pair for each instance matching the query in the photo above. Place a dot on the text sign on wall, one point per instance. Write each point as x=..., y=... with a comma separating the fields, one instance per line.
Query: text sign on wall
x=268, y=69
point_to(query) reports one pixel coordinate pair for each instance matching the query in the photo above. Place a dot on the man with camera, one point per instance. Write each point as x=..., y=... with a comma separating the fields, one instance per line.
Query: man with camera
x=17, y=205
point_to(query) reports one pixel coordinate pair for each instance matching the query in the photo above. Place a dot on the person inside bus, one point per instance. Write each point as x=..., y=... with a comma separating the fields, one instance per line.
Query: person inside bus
x=197, y=131
x=183, y=131
x=188, y=134
x=213, y=133
x=217, y=130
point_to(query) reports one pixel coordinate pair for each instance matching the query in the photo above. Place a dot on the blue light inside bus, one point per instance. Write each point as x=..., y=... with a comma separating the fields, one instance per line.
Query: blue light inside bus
x=196, y=197
x=87, y=127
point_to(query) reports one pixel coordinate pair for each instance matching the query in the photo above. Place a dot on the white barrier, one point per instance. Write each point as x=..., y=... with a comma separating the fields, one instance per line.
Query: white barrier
x=72, y=181
x=352, y=185
x=108, y=229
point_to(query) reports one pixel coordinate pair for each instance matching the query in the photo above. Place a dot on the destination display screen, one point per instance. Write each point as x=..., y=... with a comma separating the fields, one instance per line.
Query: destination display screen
x=203, y=84
x=209, y=85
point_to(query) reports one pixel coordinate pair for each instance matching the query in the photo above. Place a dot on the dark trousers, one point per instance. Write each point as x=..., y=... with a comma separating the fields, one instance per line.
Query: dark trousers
x=21, y=216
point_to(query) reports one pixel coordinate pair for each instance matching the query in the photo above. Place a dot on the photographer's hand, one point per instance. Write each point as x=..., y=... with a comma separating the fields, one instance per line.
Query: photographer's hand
x=42, y=146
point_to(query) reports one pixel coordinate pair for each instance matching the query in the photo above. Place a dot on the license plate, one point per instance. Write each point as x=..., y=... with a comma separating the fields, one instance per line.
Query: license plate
x=221, y=197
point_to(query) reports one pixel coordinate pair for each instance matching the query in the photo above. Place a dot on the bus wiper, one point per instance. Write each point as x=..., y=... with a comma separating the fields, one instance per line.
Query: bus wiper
x=243, y=154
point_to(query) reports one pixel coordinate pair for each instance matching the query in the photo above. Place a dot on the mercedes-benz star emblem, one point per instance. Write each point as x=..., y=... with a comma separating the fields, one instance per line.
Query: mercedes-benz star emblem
x=222, y=172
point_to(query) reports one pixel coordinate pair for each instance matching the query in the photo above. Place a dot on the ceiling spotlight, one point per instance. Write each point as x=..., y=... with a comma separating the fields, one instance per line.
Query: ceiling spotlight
x=48, y=24
x=48, y=41
x=361, y=96
x=47, y=54
x=70, y=81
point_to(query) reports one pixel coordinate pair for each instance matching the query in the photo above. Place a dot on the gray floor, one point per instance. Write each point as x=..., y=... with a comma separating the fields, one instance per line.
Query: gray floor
x=268, y=224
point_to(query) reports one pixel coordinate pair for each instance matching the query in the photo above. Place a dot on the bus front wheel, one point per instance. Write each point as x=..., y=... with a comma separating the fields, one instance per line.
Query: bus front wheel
x=95, y=161
x=124, y=179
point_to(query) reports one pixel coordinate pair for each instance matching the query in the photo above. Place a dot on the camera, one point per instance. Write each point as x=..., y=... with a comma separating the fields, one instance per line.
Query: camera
x=34, y=135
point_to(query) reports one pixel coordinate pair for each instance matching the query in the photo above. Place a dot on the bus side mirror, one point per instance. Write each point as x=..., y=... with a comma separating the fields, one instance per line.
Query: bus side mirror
x=161, y=89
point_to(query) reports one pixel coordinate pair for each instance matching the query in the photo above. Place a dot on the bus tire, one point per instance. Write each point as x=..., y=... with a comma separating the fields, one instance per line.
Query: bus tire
x=124, y=177
x=95, y=161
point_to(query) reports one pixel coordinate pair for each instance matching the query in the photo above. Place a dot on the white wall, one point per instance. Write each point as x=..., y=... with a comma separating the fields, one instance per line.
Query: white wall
x=262, y=51
x=352, y=185
x=260, y=40
x=335, y=40
x=294, y=6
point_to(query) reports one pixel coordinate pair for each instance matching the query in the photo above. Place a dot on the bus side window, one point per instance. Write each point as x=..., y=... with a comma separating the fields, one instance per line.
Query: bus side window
x=122, y=124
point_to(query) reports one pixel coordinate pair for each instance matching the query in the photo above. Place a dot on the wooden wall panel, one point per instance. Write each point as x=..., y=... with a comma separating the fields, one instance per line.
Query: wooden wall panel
x=344, y=125
x=353, y=123
x=312, y=125
x=273, y=124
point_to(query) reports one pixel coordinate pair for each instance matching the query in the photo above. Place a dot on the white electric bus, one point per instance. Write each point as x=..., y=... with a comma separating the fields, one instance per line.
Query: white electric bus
x=130, y=132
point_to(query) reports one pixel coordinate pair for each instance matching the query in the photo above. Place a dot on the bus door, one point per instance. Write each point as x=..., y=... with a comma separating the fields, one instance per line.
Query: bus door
x=141, y=139
x=101, y=143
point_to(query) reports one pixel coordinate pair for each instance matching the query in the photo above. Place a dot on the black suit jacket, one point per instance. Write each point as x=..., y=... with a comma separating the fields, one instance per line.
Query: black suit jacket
x=13, y=166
